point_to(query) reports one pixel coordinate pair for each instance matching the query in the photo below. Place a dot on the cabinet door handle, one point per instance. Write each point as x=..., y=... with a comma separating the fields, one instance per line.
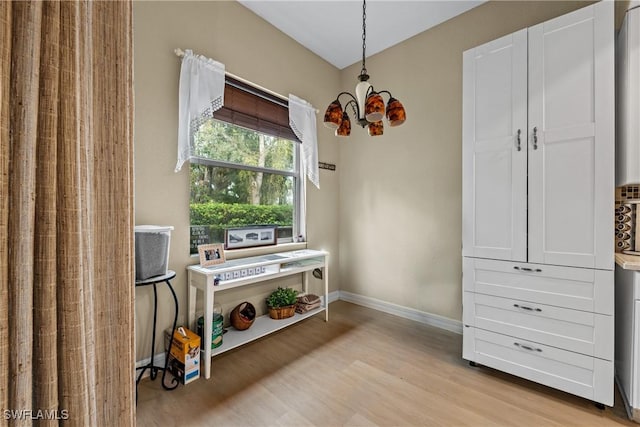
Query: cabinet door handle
x=535, y=138
x=524, y=307
x=518, y=145
x=526, y=347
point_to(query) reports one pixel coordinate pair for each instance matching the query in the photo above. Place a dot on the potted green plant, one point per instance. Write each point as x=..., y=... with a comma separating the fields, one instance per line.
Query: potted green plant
x=282, y=303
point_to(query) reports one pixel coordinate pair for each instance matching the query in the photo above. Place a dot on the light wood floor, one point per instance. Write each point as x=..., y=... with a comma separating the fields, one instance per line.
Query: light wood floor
x=362, y=368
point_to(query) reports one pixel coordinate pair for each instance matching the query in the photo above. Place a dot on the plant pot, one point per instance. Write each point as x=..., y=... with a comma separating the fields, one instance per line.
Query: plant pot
x=282, y=312
x=242, y=316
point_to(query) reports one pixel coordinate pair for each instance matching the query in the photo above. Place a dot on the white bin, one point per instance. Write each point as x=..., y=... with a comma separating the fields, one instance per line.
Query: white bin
x=152, y=250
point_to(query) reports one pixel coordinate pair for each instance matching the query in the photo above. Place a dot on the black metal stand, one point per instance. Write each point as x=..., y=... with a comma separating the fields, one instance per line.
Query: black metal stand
x=153, y=369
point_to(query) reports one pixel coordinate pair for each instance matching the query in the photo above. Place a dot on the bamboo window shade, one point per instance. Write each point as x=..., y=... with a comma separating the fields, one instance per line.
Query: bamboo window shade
x=249, y=107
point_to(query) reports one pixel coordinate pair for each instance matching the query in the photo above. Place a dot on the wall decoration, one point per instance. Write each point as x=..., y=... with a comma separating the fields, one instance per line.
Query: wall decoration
x=248, y=237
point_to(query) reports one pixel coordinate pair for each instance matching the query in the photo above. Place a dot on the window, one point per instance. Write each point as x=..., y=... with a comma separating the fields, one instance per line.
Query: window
x=244, y=168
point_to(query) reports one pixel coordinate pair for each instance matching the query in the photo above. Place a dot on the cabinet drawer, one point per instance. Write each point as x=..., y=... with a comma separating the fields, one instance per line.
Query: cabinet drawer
x=585, y=376
x=583, y=332
x=570, y=287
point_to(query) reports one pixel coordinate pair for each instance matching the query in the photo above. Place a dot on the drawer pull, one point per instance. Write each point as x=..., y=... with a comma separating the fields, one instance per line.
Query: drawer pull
x=537, y=270
x=526, y=347
x=524, y=307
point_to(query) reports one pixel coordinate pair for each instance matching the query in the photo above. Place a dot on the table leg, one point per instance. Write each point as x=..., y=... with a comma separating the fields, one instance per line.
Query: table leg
x=305, y=284
x=191, y=303
x=326, y=290
x=175, y=382
x=208, y=318
x=154, y=371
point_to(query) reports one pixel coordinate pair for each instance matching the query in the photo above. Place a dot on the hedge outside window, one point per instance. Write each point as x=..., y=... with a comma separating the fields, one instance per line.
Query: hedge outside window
x=244, y=169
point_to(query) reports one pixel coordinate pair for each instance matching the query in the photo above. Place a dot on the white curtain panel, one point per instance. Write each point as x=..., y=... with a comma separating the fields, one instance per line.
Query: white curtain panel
x=302, y=119
x=201, y=93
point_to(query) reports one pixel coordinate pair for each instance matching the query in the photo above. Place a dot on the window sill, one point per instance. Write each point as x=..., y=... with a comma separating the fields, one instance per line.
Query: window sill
x=261, y=250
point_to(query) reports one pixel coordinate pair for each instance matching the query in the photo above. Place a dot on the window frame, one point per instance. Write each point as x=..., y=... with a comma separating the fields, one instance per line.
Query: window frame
x=295, y=174
x=298, y=196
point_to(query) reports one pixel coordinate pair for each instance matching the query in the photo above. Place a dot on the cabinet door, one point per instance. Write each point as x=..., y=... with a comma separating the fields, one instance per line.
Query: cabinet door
x=494, y=176
x=571, y=139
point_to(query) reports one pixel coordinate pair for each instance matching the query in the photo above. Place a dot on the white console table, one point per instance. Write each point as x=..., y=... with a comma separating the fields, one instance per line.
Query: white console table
x=246, y=271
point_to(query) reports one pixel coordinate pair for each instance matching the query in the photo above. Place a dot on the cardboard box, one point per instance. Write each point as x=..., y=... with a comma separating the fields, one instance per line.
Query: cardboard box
x=176, y=368
x=184, y=357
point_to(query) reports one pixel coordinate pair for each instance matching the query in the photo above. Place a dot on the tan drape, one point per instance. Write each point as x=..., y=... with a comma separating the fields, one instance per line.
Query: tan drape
x=66, y=212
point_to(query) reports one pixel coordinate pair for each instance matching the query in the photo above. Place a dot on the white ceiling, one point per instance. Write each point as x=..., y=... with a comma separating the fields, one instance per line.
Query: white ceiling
x=332, y=29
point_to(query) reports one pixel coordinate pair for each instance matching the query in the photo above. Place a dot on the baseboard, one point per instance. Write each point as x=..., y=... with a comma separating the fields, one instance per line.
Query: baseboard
x=158, y=360
x=333, y=296
x=405, y=312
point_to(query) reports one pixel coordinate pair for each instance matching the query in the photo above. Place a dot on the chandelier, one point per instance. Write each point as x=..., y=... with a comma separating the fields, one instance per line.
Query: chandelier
x=368, y=105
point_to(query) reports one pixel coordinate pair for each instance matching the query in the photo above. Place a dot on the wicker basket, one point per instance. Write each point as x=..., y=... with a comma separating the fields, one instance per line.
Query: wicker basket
x=242, y=316
x=282, y=312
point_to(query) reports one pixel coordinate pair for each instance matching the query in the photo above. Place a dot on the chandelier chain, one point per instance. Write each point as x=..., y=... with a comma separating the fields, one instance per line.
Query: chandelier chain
x=364, y=36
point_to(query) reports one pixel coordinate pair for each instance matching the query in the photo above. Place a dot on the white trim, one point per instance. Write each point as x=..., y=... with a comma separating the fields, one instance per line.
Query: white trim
x=334, y=296
x=158, y=360
x=405, y=312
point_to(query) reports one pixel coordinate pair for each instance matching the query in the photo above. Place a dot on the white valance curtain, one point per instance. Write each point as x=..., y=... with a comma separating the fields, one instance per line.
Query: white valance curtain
x=302, y=119
x=201, y=93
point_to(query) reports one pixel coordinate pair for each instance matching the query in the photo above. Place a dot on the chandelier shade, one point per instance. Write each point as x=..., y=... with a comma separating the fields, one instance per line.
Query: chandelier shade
x=374, y=108
x=376, y=128
x=345, y=126
x=333, y=115
x=395, y=112
x=367, y=105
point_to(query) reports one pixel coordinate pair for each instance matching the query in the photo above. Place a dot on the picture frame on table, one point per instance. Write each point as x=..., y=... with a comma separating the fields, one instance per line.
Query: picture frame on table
x=211, y=254
x=251, y=236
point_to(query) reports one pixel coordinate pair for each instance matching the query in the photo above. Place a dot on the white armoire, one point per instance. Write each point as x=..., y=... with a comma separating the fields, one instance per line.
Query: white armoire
x=538, y=203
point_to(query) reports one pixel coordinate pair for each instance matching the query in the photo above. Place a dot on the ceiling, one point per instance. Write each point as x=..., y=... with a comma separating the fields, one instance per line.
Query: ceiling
x=332, y=29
